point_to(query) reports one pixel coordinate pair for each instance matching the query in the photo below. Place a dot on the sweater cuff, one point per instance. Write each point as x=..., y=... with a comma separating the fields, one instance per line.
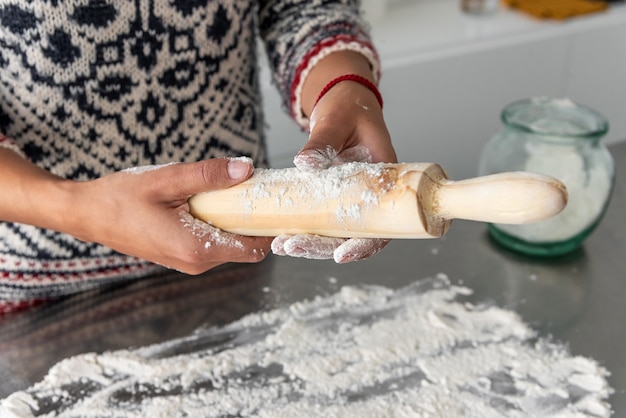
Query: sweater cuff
x=315, y=55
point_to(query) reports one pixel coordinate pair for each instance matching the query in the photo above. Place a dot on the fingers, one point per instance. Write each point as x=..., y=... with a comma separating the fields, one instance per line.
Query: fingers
x=312, y=247
x=358, y=249
x=322, y=248
x=278, y=244
x=215, y=245
x=191, y=178
x=218, y=173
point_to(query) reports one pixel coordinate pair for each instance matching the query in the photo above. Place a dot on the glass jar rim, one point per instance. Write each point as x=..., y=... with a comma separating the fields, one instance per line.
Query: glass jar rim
x=527, y=115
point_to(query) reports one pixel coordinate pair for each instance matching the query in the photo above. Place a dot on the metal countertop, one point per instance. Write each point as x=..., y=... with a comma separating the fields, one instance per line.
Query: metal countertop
x=579, y=299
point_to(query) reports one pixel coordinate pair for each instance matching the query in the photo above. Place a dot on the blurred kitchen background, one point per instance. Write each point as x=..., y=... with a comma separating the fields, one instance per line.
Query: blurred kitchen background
x=447, y=74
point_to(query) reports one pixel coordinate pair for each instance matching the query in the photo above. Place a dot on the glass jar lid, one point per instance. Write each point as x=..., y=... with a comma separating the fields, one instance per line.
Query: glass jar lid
x=554, y=117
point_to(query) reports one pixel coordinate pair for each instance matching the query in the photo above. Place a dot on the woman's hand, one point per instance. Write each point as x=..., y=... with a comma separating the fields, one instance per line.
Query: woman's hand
x=143, y=212
x=346, y=124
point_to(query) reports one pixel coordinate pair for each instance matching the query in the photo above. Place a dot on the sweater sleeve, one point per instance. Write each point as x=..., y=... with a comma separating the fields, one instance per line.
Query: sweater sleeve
x=299, y=33
x=10, y=144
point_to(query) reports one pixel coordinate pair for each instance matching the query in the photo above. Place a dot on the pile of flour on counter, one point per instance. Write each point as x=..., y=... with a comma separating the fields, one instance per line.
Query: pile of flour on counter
x=419, y=351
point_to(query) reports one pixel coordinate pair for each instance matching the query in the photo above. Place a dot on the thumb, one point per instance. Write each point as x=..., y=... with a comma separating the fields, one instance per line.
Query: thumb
x=314, y=157
x=213, y=174
x=320, y=150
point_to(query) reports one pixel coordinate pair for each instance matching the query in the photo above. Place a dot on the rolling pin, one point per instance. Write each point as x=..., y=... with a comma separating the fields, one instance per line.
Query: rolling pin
x=383, y=200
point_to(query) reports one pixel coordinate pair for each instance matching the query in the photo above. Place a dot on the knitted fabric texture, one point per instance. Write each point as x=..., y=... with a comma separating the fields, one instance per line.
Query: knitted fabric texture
x=89, y=87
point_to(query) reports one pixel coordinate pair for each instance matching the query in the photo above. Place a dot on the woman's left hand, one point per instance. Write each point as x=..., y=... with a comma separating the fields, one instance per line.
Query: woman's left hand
x=346, y=125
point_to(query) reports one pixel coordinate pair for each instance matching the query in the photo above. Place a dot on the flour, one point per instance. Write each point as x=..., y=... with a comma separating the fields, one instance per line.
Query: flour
x=369, y=197
x=207, y=234
x=352, y=211
x=315, y=159
x=329, y=183
x=420, y=351
x=319, y=189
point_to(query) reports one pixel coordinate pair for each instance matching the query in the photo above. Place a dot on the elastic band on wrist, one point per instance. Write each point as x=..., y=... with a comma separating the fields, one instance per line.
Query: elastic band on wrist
x=351, y=77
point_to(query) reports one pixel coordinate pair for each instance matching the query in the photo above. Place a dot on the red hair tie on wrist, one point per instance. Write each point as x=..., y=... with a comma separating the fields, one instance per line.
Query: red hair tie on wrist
x=351, y=77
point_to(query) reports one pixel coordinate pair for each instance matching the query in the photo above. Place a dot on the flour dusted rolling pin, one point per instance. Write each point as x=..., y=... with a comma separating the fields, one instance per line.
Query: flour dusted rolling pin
x=415, y=200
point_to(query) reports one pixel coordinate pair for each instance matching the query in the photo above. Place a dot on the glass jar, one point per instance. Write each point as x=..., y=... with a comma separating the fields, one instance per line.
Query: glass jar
x=560, y=138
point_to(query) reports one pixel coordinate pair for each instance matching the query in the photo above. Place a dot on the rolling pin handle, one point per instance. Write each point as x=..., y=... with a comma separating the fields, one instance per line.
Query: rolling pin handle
x=506, y=198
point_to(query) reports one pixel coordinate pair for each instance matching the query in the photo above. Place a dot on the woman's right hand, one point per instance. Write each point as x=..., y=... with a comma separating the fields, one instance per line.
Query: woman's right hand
x=143, y=212
x=140, y=212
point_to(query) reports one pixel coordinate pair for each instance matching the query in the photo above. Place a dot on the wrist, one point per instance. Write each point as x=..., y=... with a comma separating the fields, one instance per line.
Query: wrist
x=68, y=214
x=49, y=204
x=335, y=65
x=353, y=78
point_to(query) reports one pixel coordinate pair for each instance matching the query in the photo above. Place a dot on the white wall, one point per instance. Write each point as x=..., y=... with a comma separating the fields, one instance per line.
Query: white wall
x=446, y=76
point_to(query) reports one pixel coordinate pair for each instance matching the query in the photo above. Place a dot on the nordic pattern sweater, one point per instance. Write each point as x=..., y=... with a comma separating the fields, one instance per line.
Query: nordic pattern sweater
x=89, y=87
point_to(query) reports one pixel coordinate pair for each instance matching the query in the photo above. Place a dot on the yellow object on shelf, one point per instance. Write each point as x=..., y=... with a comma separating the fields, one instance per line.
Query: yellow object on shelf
x=556, y=9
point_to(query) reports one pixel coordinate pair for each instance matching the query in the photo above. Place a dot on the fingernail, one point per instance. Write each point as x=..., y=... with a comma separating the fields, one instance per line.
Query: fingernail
x=239, y=167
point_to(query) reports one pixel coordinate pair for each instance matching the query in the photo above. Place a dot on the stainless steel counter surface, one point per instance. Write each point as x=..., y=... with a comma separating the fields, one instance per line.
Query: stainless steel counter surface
x=579, y=299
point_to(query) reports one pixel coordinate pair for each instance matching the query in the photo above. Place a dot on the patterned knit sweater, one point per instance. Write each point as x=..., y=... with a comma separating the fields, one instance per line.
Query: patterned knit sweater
x=88, y=87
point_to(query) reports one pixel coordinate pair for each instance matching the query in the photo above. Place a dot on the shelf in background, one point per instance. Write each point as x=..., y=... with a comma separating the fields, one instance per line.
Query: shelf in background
x=430, y=29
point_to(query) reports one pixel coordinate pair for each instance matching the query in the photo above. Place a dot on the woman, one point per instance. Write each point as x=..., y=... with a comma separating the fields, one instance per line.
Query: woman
x=93, y=87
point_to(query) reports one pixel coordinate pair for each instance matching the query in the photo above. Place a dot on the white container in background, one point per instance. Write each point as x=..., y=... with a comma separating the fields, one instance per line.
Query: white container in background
x=480, y=7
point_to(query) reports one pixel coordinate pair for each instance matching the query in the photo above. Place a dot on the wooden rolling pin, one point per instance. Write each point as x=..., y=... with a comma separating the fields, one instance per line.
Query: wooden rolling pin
x=415, y=200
